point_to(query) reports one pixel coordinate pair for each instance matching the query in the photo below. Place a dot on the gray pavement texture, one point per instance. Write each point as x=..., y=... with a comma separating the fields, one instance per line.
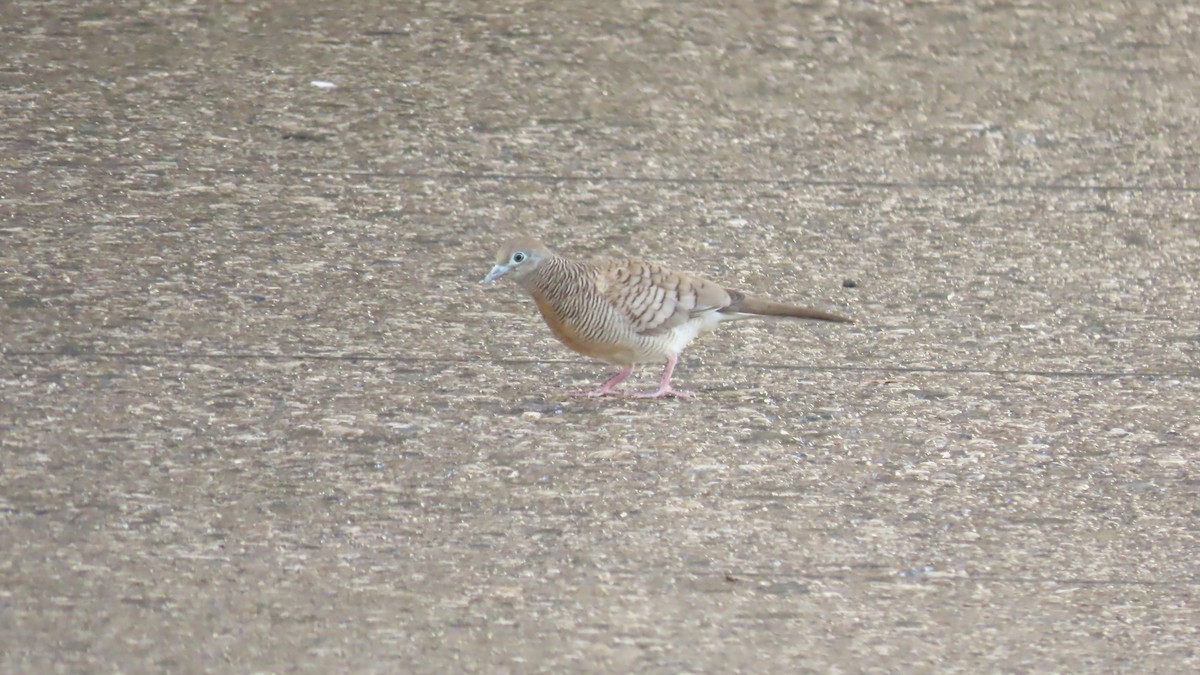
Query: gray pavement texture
x=259, y=415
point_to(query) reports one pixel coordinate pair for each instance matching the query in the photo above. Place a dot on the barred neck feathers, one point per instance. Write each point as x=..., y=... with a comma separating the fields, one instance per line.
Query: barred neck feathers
x=577, y=312
x=558, y=279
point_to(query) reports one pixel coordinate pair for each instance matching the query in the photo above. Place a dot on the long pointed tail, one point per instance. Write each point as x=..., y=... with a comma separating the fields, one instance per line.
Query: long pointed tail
x=744, y=304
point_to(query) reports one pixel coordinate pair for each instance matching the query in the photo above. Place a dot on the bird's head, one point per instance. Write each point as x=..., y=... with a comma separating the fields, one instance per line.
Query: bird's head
x=518, y=258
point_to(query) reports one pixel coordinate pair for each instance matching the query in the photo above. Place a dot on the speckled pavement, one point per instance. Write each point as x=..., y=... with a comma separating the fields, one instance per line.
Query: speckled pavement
x=258, y=413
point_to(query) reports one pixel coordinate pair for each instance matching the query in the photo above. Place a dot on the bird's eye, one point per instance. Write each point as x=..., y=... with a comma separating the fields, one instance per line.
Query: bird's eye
x=518, y=257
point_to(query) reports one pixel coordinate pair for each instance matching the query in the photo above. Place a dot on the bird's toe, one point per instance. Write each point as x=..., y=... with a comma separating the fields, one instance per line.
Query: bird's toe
x=665, y=392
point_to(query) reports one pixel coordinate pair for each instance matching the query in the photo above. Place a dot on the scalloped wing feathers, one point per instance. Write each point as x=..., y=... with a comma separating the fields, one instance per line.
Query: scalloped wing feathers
x=655, y=299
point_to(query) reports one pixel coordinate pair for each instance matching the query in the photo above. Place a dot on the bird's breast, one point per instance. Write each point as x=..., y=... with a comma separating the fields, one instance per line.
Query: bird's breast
x=586, y=331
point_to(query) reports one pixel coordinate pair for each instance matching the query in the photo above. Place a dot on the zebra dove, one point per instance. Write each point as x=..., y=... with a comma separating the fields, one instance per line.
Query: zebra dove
x=627, y=312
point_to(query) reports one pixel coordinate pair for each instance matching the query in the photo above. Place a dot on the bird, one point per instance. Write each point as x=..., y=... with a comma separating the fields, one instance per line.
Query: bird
x=629, y=312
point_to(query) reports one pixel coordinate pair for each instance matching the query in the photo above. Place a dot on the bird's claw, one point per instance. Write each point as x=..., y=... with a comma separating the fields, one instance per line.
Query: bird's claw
x=597, y=393
x=665, y=392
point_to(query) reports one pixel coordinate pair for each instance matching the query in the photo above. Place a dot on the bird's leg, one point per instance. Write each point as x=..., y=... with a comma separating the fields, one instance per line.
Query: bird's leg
x=609, y=386
x=664, y=386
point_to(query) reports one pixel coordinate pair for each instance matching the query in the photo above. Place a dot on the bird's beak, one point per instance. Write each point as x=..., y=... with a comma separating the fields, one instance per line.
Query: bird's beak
x=497, y=272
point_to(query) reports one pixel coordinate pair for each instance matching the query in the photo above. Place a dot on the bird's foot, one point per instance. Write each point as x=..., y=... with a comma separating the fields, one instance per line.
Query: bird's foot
x=608, y=387
x=597, y=393
x=664, y=392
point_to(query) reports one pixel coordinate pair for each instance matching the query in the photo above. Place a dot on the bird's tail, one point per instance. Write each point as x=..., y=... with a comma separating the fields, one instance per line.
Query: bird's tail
x=744, y=304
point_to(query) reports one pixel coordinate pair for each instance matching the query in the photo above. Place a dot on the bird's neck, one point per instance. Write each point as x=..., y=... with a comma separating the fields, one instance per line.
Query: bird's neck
x=553, y=277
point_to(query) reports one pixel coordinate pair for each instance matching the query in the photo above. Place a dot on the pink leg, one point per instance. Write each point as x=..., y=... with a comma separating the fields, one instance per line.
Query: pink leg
x=664, y=386
x=609, y=386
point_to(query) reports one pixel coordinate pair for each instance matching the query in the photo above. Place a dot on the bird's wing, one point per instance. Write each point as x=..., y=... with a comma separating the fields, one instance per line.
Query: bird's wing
x=655, y=299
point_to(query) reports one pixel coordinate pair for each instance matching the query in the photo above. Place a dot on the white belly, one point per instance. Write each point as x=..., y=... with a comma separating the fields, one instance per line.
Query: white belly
x=658, y=348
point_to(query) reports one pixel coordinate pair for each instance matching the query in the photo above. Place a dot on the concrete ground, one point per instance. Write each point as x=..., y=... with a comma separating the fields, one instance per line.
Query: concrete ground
x=258, y=414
